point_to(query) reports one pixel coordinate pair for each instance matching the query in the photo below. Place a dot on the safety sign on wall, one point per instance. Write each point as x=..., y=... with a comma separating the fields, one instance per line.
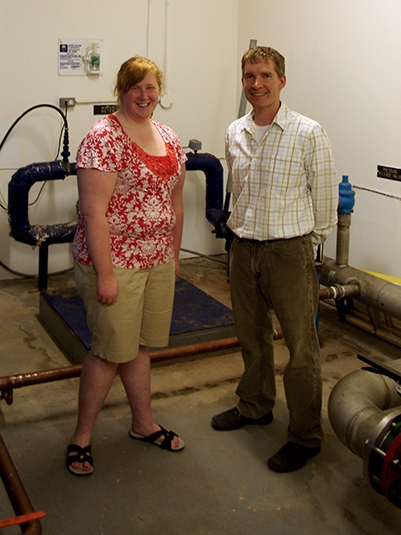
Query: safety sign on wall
x=391, y=173
x=80, y=57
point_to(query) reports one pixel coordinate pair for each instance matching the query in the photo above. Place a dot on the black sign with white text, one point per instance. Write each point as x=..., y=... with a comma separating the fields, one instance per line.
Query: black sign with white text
x=388, y=172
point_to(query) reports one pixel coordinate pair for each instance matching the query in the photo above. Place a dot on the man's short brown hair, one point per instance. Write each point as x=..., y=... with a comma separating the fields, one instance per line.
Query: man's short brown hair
x=264, y=53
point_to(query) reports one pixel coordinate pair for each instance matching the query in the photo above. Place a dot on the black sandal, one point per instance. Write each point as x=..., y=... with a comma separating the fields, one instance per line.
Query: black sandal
x=81, y=455
x=154, y=439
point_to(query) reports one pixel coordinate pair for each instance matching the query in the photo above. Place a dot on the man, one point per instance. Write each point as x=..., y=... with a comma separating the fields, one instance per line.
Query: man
x=284, y=196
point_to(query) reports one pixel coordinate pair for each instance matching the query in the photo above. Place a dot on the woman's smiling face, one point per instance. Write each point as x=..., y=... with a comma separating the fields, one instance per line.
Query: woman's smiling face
x=142, y=98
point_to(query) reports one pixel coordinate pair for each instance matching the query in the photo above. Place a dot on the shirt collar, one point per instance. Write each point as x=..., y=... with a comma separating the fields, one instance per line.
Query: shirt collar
x=281, y=119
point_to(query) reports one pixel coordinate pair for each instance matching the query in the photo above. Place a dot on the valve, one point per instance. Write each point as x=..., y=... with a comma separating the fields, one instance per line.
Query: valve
x=347, y=197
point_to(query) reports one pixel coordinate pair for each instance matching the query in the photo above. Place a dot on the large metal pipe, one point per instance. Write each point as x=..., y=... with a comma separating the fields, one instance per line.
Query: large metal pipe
x=357, y=404
x=378, y=293
x=364, y=410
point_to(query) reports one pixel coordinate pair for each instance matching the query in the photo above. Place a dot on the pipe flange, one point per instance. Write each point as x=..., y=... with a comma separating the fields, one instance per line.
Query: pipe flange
x=391, y=473
x=376, y=448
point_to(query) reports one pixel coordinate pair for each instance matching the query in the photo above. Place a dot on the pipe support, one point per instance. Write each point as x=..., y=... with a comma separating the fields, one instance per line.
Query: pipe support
x=343, y=234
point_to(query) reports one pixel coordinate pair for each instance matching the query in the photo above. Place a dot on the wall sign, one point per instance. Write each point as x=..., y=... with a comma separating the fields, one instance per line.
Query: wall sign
x=80, y=57
x=391, y=173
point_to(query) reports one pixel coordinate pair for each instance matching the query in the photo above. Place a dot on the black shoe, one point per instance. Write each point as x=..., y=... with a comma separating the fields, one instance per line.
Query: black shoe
x=233, y=419
x=291, y=457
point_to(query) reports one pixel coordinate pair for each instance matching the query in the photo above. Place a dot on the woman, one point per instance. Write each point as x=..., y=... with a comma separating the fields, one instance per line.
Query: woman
x=131, y=173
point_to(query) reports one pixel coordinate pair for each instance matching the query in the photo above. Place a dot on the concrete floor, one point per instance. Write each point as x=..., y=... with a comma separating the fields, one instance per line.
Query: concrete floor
x=220, y=483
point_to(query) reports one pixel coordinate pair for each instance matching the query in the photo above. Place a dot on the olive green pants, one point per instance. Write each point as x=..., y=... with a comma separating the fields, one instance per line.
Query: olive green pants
x=278, y=275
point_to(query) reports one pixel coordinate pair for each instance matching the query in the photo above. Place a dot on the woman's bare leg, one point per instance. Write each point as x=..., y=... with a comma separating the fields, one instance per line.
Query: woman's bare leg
x=135, y=376
x=97, y=376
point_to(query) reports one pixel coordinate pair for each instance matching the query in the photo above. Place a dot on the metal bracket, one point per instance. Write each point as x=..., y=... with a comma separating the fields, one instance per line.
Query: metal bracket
x=7, y=393
x=382, y=369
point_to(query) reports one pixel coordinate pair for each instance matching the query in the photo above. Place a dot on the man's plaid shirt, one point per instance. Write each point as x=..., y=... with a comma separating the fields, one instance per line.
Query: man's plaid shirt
x=284, y=186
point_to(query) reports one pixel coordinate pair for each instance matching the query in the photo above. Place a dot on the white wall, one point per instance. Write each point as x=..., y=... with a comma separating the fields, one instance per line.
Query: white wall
x=342, y=69
x=343, y=61
x=197, y=48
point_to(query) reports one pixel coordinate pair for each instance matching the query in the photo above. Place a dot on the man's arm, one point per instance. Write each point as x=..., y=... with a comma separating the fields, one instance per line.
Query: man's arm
x=323, y=182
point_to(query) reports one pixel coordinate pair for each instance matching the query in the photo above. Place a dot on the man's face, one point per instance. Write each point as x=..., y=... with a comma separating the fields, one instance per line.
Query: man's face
x=262, y=85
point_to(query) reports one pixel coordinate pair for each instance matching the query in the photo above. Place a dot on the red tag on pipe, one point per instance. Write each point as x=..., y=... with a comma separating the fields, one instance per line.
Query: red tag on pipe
x=22, y=519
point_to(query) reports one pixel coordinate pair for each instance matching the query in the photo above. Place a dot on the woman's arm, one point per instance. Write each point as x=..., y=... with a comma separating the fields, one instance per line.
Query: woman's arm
x=178, y=207
x=95, y=190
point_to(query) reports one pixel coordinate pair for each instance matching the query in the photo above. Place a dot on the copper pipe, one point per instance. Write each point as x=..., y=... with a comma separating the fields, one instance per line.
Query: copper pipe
x=9, y=383
x=338, y=291
x=16, y=491
x=205, y=347
x=326, y=293
x=193, y=349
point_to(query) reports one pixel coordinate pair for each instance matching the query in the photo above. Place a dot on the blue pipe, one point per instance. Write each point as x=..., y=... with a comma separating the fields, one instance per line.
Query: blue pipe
x=213, y=170
x=24, y=178
x=18, y=200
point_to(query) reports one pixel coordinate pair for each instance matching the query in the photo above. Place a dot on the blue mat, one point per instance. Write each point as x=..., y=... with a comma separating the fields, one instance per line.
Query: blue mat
x=196, y=316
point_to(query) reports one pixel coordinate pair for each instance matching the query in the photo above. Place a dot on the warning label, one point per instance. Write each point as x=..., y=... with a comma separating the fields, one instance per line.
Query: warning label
x=391, y=173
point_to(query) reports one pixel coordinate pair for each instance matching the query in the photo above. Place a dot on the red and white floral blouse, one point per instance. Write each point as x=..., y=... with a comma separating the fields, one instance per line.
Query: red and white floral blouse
x=140, y=213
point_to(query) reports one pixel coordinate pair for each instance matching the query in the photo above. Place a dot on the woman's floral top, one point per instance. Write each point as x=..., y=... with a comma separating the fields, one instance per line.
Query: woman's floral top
x=140, y=213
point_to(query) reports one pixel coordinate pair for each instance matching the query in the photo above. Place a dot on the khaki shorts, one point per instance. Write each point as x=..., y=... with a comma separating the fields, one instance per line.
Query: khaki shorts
x=140, y=316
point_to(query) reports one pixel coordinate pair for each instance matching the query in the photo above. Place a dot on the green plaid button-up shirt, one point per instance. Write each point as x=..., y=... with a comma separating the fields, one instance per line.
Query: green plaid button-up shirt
x=284, y=186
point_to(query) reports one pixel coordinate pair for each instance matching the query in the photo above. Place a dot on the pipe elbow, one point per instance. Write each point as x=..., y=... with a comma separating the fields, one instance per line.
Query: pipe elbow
x=357, y=404
x=213, y=170
x=18, y=202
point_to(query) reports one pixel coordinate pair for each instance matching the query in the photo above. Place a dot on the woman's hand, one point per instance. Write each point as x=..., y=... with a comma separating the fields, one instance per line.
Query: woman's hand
x=107, y=289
